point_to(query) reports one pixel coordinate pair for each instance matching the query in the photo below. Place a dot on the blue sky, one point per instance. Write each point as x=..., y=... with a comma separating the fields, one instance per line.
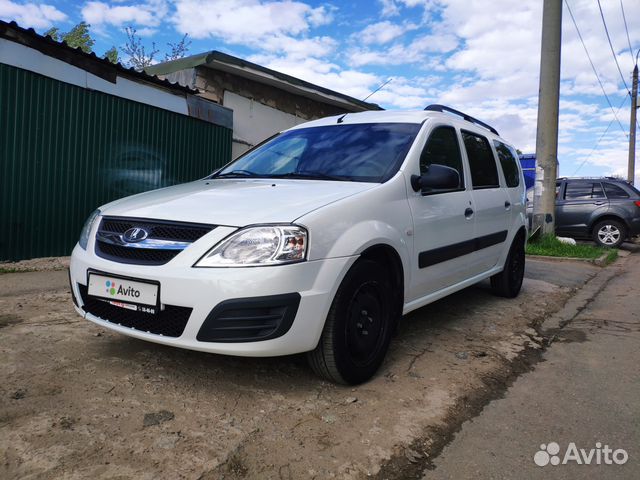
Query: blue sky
x=481, y=57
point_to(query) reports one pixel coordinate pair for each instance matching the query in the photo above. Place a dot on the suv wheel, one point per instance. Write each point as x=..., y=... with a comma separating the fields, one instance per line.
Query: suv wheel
x=609, y=233
x=509, y=282
x=358, y=329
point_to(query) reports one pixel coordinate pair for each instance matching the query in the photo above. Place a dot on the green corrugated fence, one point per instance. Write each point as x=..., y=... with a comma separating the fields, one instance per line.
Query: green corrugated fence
x=65, y=150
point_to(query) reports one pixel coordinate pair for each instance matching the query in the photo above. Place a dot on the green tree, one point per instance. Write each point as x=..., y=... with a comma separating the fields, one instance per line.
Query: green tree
x=54, y=33
x=112, y=55
x=77, y=37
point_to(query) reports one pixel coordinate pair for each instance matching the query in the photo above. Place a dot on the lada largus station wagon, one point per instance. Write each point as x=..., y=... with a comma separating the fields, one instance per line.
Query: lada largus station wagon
x=318, y=240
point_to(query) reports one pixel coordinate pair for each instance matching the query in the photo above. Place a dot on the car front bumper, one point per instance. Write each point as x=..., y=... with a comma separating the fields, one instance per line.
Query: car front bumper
x=307, y=287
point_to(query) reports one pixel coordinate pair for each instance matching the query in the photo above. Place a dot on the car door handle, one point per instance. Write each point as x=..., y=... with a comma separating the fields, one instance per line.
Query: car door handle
x=507, y=205
x=468, y=212
x=599, y=203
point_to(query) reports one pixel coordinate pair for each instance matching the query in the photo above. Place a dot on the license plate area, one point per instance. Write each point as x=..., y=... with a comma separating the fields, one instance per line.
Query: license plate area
x=124, y=292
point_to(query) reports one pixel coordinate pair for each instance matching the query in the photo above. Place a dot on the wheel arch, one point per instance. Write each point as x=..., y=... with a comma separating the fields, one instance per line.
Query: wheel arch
x=521, y=233
x=386, y=255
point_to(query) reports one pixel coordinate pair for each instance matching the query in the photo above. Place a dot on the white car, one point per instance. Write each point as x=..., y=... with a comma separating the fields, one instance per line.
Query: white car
x=317, y=240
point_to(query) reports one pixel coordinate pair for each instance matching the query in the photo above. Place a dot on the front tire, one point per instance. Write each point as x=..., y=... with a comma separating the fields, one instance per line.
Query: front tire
x=358, y=328
x=509, y=282
x=609, y=233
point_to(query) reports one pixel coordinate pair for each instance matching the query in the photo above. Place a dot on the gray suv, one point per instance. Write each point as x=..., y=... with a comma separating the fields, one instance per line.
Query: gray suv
x=604, y=209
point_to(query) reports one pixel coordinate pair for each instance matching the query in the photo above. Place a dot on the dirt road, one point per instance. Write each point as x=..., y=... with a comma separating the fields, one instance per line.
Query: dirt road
x=78, y=401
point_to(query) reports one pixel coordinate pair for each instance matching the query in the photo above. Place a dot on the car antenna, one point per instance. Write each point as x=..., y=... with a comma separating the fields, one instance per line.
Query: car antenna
x=341, y=119
x=378, y=89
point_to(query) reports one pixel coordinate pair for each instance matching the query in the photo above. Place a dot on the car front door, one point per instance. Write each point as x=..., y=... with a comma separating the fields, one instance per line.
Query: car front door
x=443, y=220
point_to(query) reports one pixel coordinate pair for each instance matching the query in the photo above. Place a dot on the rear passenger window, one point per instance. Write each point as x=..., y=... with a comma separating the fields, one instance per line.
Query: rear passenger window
x=443, y=148
x=508, y=163
x=583, y=191
x=614, y=191
x=484, y=172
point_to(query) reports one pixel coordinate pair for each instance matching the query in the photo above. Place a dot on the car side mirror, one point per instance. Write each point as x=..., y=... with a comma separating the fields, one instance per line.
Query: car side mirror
x=437, y=177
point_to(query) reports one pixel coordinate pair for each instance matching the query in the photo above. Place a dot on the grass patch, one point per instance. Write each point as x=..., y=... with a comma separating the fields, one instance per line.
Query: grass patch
x=550, y=246
x=16, y=270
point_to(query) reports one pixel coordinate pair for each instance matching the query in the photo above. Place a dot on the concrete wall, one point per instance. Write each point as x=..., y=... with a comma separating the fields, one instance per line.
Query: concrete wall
x=253, y=121
x=259, y=110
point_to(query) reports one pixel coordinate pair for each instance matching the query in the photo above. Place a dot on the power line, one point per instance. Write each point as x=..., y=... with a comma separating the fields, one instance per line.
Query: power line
x=594, y=68
x=612, y=50
x=599, y=139
x=624, y=17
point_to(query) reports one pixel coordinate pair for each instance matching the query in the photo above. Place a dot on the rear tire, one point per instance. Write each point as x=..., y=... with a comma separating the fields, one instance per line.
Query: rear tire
x=609, y=233
x=358, y=328
x=509, y=282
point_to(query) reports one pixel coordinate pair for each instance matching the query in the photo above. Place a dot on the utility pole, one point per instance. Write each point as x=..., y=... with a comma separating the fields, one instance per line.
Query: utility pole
x=548, y=105
x=632, y=128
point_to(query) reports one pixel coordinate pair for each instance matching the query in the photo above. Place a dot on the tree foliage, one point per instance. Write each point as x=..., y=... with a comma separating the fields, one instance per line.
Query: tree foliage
x=54, y=33
x=139, y=56
x=112, y=55
x=178, y=50
x=77, y=37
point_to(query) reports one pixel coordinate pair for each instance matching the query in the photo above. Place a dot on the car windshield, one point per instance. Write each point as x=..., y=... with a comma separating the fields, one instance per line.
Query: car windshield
x=357, y=152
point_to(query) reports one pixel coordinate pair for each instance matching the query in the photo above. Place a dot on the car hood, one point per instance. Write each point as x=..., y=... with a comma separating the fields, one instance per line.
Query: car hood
x=235, y=202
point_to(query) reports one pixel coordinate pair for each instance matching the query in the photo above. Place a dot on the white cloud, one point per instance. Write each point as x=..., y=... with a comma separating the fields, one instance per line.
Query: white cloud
x=246, y=21
x=381, y=32
x=35, y=15
x=321, y=16
x=389, y=8
x=419, y=50
x=320, y=72
x=148, y=14
x=299, y=48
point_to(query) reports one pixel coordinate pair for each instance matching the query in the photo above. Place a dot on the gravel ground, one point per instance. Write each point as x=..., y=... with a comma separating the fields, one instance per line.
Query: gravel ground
x=78, y=401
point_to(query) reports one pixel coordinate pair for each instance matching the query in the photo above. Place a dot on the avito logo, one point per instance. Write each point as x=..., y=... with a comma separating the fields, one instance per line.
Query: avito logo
x=601, y=455
x=114, y=289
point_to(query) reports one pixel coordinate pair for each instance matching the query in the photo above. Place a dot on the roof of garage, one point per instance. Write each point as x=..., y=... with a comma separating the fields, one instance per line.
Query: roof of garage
x=228, y=63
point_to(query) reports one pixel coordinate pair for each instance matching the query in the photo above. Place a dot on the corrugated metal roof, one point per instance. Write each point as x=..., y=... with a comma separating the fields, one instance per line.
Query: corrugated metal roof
x=89, y=62
x=243, y=68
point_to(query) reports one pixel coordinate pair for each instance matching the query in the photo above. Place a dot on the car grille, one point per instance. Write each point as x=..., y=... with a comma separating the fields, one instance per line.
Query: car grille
x=169, y=322
x=110, y=244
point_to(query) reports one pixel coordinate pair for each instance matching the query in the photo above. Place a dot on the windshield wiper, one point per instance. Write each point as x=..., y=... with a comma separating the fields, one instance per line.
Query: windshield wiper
x=313, y=175
x=236, y=174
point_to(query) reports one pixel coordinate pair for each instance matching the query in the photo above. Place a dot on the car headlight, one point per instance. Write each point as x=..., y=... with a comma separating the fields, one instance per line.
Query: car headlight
x=260, y=245
x=86, y=229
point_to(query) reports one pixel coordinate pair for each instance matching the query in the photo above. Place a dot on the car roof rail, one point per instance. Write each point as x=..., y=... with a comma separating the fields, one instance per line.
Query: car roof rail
x=443, y=108
x=616, y=179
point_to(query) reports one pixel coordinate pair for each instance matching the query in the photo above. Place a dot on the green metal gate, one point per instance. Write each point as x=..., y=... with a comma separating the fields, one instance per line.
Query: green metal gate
x=65, y=150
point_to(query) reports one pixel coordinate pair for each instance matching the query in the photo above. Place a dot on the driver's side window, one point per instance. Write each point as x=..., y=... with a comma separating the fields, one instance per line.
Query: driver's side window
x=443, y=148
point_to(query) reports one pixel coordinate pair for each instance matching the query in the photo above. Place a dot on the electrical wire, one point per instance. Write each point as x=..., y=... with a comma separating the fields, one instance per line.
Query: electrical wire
x=615, y=59
x=624, y=17
x=599, y=139
x=594, y=68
